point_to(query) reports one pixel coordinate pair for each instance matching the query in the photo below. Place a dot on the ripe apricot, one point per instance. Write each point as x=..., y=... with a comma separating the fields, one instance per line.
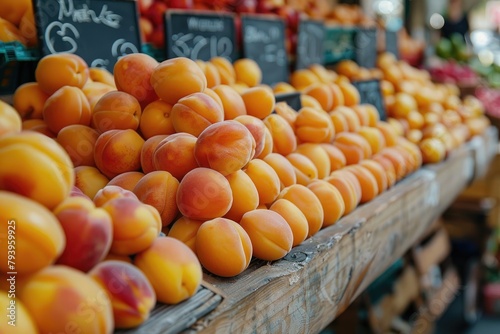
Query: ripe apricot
x=79, y=142
x=13, y=10
x=294, y=218
x=110, y=192
x=300, y=79
x=247, y=71
x=284, y=140
x=211, y=73
x=346, y=188
x=309, y=101
x=355, y=139
x=29, y=100
x=318, y=156
x=331, y=201
x=245, y=195
x=116, y=110
x=314, y=126
x=10, y=121
x=377, y=170
x=89, y=180
x=433, y=150
x=232, y=102
x=156, y=119
x=257, y=128
x=24, y=321
x=368, y=182
x=374, y=137
x=350, y=92
x=283, y=87
x=322, y=93
x=285, y=111
x=337, y=158
x=339, y=121
x=259, y=101
x=388, y=166
x=351, y=117
x=185, y=229
x=265, y=179
x=147, y=153
x=268, y=144
x=102, y=75
x=71, y=70
x=10, y=33
x=67, y=106
x=283, y=167
x=225, y=69
x=305, y=169
x=389, y=133
x=126, y=180
x=397, y=160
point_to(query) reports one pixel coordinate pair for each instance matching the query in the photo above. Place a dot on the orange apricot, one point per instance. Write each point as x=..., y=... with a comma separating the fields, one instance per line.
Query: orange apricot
x=433, y=150
x=156, y=119
x=314, y=126
x=147, y=153
x=245, y=195
x=79, y=142
x=67, y=106
x=331, y=201
x=374, y=137
x=350, y=92
x=337, y=158
x=265, y=179
x=225, y=69
x=350, y=138
x=302, y=78
x=259, y=101
x=283, y=87
x=126, y=180
x=284, y=140
x=389, y=133
x=247, y=71
x=305, y=169
x=388, y=166
x=351, y=117
x=322, y=93
x=211, y=73
x=285, y=111
x=257, y=128
x=368, y=182
x=339, y=121
x=346, y=188
x=10, y=121
x=102, y=75
x=294, y=218
x=71, y=70
x=397, y=160
x=268, y=144
x=116, y=110
x=283, y=167
x=29, y=100
x=184, y=229
x=377, y=170
x=232, y=102
x=318, y=156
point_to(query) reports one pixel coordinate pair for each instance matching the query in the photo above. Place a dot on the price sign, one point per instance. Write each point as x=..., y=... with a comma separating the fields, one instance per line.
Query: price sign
x=264, y=42
x=366, y=47
x=200, y=35
x=391, y=42
x=99, y=31
x=292, y=99
x=310, y=41
x=370, y=93
x=339, y=44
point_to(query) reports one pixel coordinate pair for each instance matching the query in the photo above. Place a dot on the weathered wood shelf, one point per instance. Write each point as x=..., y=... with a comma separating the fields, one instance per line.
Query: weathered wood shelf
x=318, y=280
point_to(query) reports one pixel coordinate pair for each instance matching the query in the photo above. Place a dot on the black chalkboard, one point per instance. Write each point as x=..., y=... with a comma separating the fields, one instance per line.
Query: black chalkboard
x=339, y=44
x=292, y=99
x=99, y=31
x=369, y=91
x=264, y=42
x=310, y=44
x=391, y=42
x=365, y=44
x=200, y=35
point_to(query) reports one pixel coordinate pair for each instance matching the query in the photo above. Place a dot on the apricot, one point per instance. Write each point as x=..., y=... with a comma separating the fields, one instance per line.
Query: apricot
x=348, y=68
x=308, y=203
x=10, y=32
x=283, y=168
x=79, y=142
x=116, y=110
x=132, y=296
x=368, y=182
x=159, y=189
x=377, y=170
x=147, y=153
x=355, y=139
x=389, y=133
x=259, y=101
x=223, y=247
x=335, y=155
x=156, y=119
x=322, y=93
x=309, y=101
x=28, y=100
x=361, y=111
x=433, y=150
x=226, y=70
x=294, y=218
x=305, y=169
x=176, y=78
x=339, y=120
x=133, y=75
x=110, y=192
x=374, y=137
x=403, y=104
x=195, y=112
x=388, y=166
x=265, y=179
x=118, y=151
x=94, y=90
x=338, y=96
x=247, y=71
x=232, y=102
x=268, y=145
x=39, y=238
x=350, y=93
x=284, y=140
x=88, y=232
x=314, y=126
x=331, y=201
x=211, y=73
x=257, y=128
x=300, y=79
x=169, y=257
x=245, y=195
x=397, y=160
x=318, y=157
x=28, y=28
x=71, y=70
x=102, y=75
x=350, y=116
x=346, y=188
x=10, y=121
x=24, y=323
x=185, y=229
x=66, y=106
x=204, y=194
x=89, y=180
x=126, y=180
x=35, y=166
x=13, y=10
x=283, y=87
x=284, y=110
x=175, y=154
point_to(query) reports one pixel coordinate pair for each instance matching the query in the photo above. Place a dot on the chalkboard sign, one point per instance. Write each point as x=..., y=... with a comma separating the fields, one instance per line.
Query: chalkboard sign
x=311, y=36
x=370, y=93
x=99, y=31
x=339, y=44
x=366, y=47
x=264, y=42
x=292, y=99
x=391, y=42
x=200, y=35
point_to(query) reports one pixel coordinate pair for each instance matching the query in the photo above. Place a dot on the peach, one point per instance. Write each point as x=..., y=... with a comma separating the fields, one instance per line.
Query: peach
x=223, y=247
x=247, y=71
x=257, y=128
x=176, y=78
x=110, y=192
x=66, y=106
x=368, y=182
x=71, y=70
x=318, y=156
x=374, y=137
x=102, y=75
x=147, y=153
x=132, y=296
x=322, y=93
x=283, y=167
x=337, y=158
x=35, y=166
x=269, y=232
x=308, y=203
x=135, y=225
x=10, y=121
x=185, y=229
x=285, y=111
x=232, y=102
x=89, y=180
x=314, y=126
x=174, y=154
x=204, y=194
x=132, y=74
x=159, y=190
x=284, y=140
x=259, y=101
x=60, y=297
x=118, y=151
x=305, y=169
x=294, y=218
x=38, y=237
x=331, y=201
x=169, y=257
x=265, y=179
x=245, y=195
x=211, y=73
x=346, y=188
x=19, y=320
x=268, y=145
x=225, y=69
x=195, y=112
x=29, y=99
x=78, y=141
x=116, y=110
x=377, y=170
x=126, y=180
x=156, y=119
x=88, y=231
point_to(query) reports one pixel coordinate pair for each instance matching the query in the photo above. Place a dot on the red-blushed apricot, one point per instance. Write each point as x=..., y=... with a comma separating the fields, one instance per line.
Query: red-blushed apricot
x=110, y=192
x=337, y=158
x=60, y=296
x=89, y=180
x=185, y=229
x=195, y=112
x=283, y=167
x=368, y=182
x=211, y=73
x=147, y=153
x=204, y=194
x=71, y=70
x=156, y=119
x=159, y=189
x=331, y=201
x=223, y=247
x=176, y=78
x=76, y=192
x=126, y=180
x=346, y=188
x=268, y=145
x=322, y=93
x=79, y=142
x=10, y=121
x=339, y=121
x=284, y=140
x=269, y=232
x=285, y=111
x=118, y=151
x=300, y=79
x=390, y=135
x=265, y=179
x=175, y=154
x=305, y=169
x=318, y=156
x=259, y=101
x=225, y=69
x=232, y=102
x=314, y=126
x=294, y=218
x=169, y=257
x=28, y=100
x=39, y=238
x=225, y=146
x=245, y=195
x=35, y=166
x=247, y=71
x=116, y=110
x=24, y=323
x=388, y=166
x=308, y=203
x=132, y=74
x=257, y=128
x=378, y=172
x=66, y=106
x=88, y=232
x=397, y=161
x=374, y=137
